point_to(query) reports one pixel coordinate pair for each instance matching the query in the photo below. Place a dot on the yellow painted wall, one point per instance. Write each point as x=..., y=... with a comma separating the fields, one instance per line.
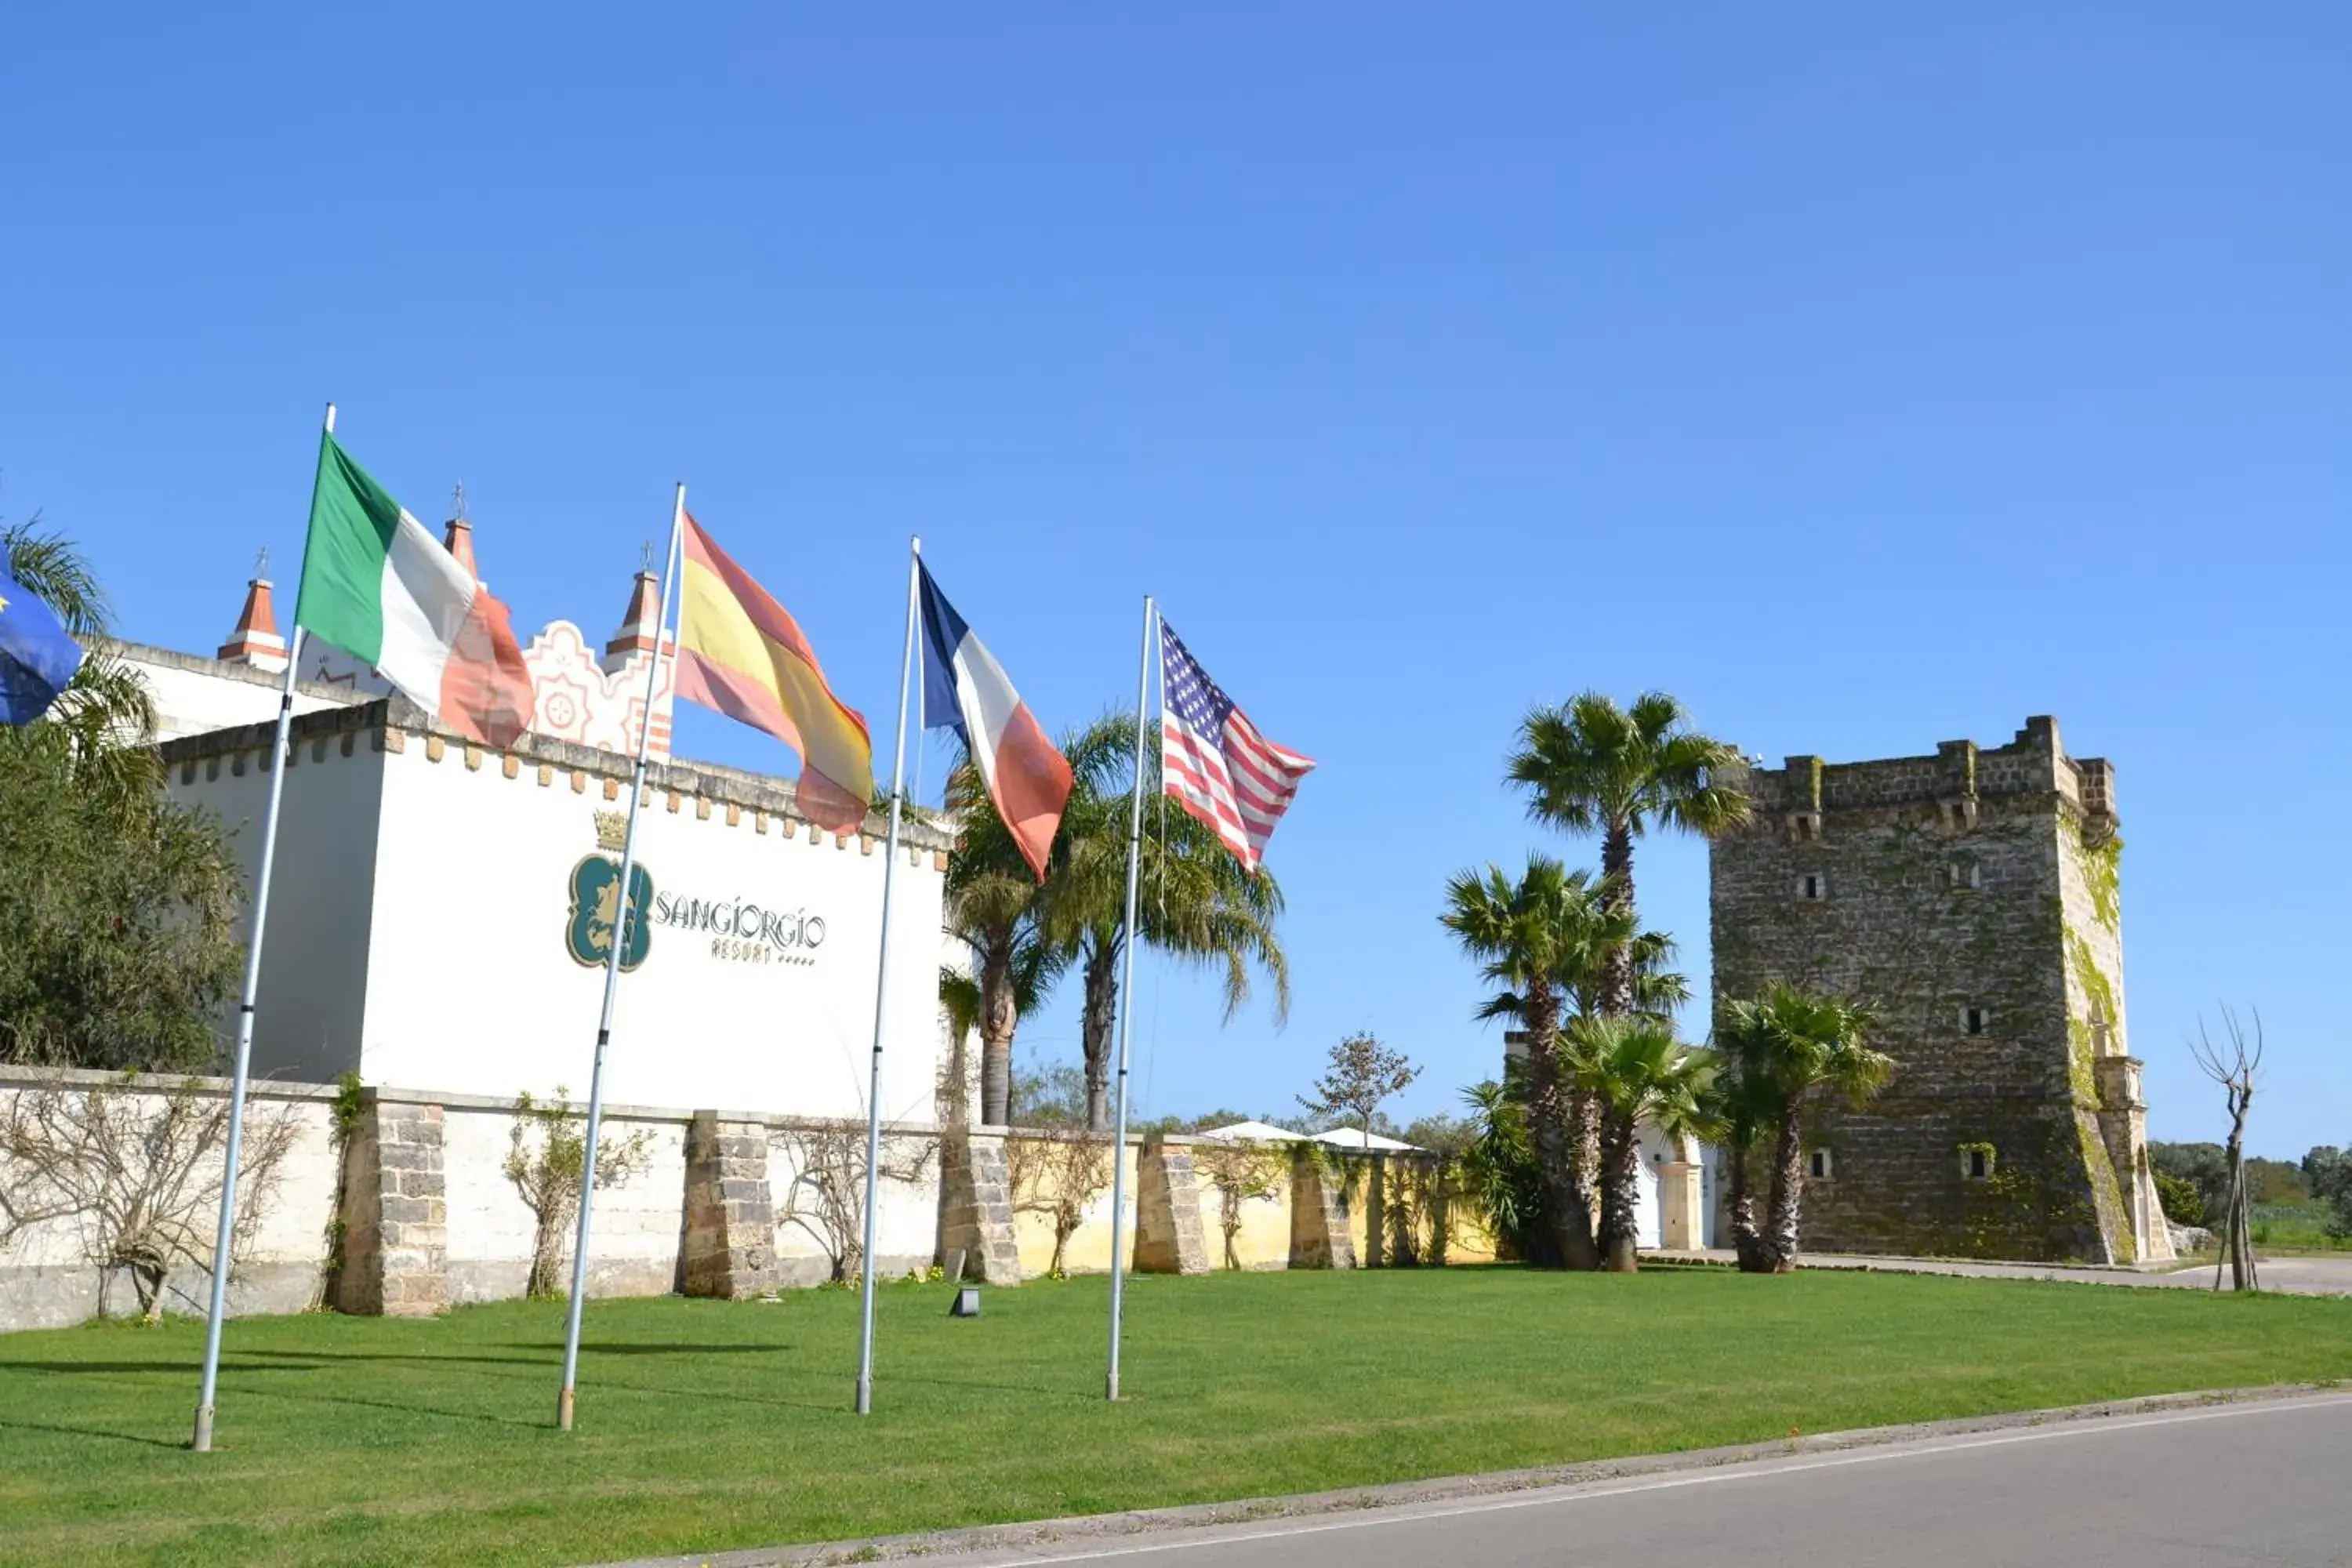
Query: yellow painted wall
x=1262, y=1242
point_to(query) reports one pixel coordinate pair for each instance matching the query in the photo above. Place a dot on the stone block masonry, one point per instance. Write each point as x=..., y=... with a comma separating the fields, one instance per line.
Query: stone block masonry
x=396, y=1213
x=1322, y=1229
x=1970, y=900
x=976, y=1205
x=1168, y=1232
x=729, y=1246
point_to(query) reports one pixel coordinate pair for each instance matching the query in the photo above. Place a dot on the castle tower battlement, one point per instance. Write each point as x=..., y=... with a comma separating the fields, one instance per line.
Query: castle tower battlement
x=2031, y=764
x=1971, y=899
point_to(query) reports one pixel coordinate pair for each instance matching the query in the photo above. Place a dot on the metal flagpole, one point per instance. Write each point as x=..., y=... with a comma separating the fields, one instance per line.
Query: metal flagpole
x=202, y=1440
x=625, y=918
x=1126, y=1002
x=882, y=996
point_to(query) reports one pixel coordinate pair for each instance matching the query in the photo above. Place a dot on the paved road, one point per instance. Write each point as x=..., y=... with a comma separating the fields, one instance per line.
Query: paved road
x=2261, y=1483
x=2313, y=1276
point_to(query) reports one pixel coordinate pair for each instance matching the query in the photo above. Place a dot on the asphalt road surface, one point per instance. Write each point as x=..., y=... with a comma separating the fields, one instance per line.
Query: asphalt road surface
x=2265, y=1483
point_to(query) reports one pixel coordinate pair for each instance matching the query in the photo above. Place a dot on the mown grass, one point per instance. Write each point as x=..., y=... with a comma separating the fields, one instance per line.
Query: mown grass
x=705, y=1425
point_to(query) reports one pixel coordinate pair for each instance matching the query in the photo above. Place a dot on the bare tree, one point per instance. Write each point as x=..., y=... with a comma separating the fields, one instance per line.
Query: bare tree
x=136, y=1172
x=2235, y=1067
x=1058, y=1175
x=1240, y=1172
x=549, y=1150
x=828, y=1196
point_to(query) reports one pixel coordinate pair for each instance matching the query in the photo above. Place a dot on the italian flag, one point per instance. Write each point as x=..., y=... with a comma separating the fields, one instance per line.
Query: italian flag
x=377, y=585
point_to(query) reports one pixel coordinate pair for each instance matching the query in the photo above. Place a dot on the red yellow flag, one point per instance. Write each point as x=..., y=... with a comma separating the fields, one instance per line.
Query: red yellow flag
x=740, y=653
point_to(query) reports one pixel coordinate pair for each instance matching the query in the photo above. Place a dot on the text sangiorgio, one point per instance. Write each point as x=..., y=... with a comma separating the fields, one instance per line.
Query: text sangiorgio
x=783, y=929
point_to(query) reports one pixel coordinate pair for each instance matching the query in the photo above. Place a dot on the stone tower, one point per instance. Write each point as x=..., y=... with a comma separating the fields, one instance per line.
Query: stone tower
x=1970, y=900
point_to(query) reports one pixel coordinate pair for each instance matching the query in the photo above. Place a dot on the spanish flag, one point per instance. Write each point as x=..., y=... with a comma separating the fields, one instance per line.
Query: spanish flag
x=740, y=653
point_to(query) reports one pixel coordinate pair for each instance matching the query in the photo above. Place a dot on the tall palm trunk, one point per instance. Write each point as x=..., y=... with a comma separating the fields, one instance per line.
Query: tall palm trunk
x=1561, y=1125
x=1746, y=1242
x=1101, y=1016
x=1617, y=893
x=1620, y=1188
x=999, y=1016
x=1584, y=1161
x=1779, y=1240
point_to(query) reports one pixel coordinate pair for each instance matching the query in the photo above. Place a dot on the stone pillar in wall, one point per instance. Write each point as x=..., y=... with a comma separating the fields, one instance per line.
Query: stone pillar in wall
x=976, y=1205
x=395, y=1214
x=731, y=1215
x=1168, y=1238
x=1322, y=1231
x=1375, y=1252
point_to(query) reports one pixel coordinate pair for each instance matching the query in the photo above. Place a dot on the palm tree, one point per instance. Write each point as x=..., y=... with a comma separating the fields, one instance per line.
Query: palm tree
x=1782, y=1050
x=1658, y=991
x=960, y=1001
x=1594, y=767
x=1195, y=900
x=1743, y=1109
x=993, y=903
x=1532, y=933
x=105, y=717
x=1637, y=1071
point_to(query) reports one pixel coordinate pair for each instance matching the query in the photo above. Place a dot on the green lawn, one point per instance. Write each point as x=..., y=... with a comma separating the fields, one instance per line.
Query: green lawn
x=706, y=1425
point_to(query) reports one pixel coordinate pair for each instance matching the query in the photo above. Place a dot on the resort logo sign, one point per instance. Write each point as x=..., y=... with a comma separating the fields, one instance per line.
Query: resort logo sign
x=739, y=930
x=596, y=912
x=744, y=932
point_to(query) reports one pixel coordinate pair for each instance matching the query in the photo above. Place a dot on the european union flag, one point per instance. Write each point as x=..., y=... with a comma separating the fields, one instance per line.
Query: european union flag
x=37, y=658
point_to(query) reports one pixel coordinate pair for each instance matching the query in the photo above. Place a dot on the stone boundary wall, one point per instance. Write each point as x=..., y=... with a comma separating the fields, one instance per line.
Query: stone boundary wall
x=411, y=1211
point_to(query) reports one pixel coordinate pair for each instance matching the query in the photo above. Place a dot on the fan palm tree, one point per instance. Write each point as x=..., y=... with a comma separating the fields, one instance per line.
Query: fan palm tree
x=1594, y=767
x=994, y=905
x=105, y=717
x=960, y=1001
x=1744, y=1109
x=1195, y=900
x=1533, y=933
x=1658, y=991
x=1784, y=1049
x=1637, y=1071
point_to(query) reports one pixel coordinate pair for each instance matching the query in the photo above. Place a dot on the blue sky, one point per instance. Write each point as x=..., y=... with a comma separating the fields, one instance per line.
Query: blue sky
x=1863, y=377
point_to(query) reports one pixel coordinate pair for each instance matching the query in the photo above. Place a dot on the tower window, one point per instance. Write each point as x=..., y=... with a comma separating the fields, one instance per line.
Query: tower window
x=1974, y=1020
x=1965, y=874
x=1820, y=1165
x=1977, y=1162
x=1813, y=888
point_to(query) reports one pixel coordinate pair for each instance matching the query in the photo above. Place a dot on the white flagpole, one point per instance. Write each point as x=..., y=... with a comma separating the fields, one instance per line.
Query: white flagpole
x=202, y=1440
x=624, y=921
x=1127, y=1002
x=882, y=996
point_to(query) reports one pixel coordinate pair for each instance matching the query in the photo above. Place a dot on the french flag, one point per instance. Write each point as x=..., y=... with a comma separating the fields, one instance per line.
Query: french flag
x=966, y=691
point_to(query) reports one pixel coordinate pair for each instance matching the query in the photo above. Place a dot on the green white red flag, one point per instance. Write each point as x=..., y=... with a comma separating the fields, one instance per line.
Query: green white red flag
x=376, y=584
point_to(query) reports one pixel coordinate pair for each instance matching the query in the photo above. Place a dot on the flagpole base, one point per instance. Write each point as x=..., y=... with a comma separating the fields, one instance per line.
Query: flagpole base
x=563, y=1411
x=865, y=1397
x=1110, y=1388
x=201, y=1442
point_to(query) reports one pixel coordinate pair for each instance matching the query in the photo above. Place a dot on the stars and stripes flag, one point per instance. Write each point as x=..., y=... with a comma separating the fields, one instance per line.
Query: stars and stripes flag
x=1213, y=761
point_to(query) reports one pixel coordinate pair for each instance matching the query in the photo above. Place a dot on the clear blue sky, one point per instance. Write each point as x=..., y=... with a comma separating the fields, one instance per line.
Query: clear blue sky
x=1866, y=378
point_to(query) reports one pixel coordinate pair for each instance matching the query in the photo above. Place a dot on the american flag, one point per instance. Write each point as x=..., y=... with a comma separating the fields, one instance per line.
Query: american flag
x=1213, y=761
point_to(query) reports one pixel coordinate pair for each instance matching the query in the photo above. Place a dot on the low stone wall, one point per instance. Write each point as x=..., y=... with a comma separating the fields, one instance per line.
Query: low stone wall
x=413, y=1210
x=399, y=1201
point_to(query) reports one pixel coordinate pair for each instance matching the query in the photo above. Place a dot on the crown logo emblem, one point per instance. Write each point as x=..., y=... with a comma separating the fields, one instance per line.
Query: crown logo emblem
x=612, y=830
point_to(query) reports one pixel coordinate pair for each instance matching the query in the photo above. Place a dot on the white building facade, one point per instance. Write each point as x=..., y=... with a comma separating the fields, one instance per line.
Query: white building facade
x=439, y=912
